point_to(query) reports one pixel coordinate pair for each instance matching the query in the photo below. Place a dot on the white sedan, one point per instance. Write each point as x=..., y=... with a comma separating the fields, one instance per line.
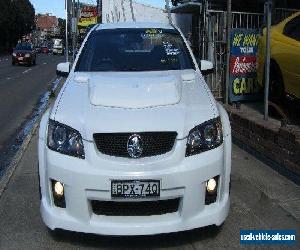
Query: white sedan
x=135, y=143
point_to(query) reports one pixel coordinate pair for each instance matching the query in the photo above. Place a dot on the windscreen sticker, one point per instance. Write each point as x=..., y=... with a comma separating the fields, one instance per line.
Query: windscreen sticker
x=152, y=34
x=137, y=51
x=170, y=50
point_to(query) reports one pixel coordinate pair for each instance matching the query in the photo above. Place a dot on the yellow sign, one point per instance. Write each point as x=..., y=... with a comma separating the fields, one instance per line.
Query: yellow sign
x=87, y=21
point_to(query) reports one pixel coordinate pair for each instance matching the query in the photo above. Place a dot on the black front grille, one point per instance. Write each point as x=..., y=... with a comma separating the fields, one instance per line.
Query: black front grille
x=142, y=208
x=154, y=143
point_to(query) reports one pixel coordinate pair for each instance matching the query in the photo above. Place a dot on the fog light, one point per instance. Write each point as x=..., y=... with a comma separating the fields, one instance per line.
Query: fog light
x=58, y=194
x=58, y=189
x=211, y=186
x=211, y=192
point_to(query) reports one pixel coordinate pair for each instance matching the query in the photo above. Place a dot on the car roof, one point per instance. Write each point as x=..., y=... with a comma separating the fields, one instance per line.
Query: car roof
x=134, y=25
x=280, y=26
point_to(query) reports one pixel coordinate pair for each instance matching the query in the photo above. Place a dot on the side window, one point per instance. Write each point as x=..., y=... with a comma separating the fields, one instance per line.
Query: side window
x=292, y=28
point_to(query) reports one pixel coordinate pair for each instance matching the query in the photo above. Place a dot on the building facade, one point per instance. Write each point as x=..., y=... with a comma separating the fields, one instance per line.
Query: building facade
x=46, y=26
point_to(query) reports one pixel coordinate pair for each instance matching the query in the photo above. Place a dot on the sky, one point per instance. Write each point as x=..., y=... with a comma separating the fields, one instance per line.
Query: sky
x=56, y=7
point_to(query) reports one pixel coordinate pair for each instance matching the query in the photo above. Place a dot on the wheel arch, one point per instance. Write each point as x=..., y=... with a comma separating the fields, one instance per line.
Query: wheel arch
x=275, y=65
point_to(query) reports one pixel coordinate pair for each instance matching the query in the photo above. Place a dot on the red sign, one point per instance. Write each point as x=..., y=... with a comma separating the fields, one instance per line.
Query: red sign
x=88, y=11
x=241, y=65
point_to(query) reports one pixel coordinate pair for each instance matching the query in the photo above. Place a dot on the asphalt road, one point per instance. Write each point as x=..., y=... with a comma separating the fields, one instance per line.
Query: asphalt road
x=260, y=199
x=20, y=89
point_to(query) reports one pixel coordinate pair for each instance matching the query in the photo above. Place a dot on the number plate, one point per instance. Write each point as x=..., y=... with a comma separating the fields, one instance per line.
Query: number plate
x=135, y=188
x=20, y=58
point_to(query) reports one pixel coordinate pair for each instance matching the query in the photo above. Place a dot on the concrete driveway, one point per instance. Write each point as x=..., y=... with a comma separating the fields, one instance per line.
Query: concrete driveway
x=260, y=199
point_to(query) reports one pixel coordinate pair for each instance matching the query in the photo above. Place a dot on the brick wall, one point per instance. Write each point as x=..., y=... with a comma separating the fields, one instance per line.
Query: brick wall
x=46, y=22
x=279, y=144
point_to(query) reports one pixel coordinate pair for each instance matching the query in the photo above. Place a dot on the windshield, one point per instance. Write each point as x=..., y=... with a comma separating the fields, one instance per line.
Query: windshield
x=23, y=46
x=57, y=42
x=134, y=50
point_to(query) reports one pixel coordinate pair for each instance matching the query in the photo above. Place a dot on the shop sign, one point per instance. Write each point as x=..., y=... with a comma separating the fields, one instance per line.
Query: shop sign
x=243, y=65
x=88, y=16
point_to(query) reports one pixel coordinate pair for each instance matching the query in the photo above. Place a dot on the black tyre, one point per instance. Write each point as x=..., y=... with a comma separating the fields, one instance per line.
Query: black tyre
x=214, y=229
x=276, y=92
x=39, y=180
x=56, y=234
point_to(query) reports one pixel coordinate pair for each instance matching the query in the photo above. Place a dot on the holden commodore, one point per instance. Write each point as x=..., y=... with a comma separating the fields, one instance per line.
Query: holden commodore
x=135, y=143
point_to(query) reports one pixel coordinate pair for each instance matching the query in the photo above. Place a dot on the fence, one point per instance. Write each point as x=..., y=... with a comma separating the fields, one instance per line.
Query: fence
x=213, y=44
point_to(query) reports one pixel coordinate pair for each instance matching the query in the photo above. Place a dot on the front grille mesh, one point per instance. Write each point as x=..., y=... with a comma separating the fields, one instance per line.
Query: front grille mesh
x=141, y=208
x=154, y=143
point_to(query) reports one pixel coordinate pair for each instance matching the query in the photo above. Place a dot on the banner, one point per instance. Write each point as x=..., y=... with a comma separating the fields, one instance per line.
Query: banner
x=88, y=16
x=85, y=22
x=243, y=65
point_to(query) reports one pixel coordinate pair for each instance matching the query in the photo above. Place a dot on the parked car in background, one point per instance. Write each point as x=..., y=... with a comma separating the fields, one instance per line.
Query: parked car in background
x=136, y=143
x=285, y=59
x=24, y=54
x=45, y=49
x=38, y=49
x=58, y=48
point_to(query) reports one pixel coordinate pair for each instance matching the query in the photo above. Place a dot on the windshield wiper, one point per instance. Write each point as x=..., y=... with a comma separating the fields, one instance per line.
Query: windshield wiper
x=130, y=69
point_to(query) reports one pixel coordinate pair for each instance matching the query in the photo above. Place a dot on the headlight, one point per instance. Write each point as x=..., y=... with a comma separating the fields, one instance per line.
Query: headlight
x=204, y=137
x=27, y=55
x=14, y=54
x=65, y=140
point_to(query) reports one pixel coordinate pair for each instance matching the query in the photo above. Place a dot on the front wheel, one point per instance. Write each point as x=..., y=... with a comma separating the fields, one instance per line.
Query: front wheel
x=56, y=234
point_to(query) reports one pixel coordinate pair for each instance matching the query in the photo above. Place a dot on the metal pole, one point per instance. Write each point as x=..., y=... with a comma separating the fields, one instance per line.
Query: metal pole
x=67, y=42
x=268, y=8
x=99, y=10
x=73, y=31
x=77, y=21
x=228, y=51
x=169, y=11
x=132, y=13
x=123, y=10
x=204, y=29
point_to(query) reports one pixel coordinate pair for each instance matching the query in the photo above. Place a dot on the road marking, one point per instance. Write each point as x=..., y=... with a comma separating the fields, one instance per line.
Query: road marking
x=8, y=78
x=26, y=71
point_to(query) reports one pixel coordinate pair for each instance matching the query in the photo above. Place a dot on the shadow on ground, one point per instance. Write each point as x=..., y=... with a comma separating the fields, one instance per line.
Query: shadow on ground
x=155, y=241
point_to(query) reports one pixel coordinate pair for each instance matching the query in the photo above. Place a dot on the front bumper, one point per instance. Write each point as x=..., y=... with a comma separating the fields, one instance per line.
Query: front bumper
x=25, y=60
x=181, y=177
x=57, y=51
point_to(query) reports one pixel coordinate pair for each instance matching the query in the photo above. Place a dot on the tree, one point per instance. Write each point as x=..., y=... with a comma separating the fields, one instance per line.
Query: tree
x=62, y=27
x=17, y=18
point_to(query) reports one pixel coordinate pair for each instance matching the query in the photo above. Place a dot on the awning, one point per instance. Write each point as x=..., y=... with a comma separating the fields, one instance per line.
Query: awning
x=187, y=8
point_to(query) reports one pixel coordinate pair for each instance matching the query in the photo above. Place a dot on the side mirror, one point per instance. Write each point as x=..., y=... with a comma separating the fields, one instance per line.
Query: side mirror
x=63, y=69
x=206, y=67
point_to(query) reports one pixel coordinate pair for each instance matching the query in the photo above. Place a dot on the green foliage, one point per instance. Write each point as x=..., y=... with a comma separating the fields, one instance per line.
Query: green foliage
x=62, y=27
x=17, y=18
